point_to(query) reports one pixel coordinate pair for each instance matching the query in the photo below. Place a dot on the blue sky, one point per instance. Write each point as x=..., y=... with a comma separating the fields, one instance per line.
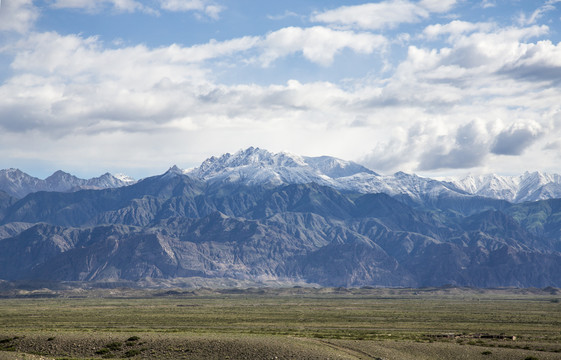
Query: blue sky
x=438, y=88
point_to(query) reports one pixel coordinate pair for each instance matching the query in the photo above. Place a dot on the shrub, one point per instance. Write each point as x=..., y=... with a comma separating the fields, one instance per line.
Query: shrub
x=133, y=338
x=114, y=345
x=487, y=352
x=132, y=353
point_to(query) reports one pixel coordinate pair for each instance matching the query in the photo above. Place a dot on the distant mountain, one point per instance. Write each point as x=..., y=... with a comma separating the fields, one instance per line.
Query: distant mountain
x=255, y=166
x=18, y=184
x=526, y=187
x=176, y=225
x=259, y=216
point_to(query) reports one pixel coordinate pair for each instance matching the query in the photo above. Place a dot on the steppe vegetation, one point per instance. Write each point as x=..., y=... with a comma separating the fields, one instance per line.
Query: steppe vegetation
x=267, y=323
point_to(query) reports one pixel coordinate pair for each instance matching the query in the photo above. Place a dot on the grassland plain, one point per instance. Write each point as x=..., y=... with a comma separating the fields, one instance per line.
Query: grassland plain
x=285, y=323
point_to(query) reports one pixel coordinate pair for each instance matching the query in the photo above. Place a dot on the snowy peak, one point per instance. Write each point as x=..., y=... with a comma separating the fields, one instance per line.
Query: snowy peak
x=125, y=179
x=530, y=186
x=251, y=157
x=336, y=168
x=18, y=184
x=107, y=181
x=259, y=166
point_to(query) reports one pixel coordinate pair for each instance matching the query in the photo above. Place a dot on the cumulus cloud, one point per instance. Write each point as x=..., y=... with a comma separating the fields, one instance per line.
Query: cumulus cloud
x=417, y=117
x=486, y=72
x=390, y=154
x=384, y=14
x=318, y=44
x=537, y=62
x=516, y=138
x=454, y=29
x=73, y=55
x=65, y=84
x=468, y=150
x=17, y=15
x=472, y=67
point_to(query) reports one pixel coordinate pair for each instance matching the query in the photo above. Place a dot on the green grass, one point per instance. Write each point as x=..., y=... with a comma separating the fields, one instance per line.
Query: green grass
x=328, y=316
x=360, y=314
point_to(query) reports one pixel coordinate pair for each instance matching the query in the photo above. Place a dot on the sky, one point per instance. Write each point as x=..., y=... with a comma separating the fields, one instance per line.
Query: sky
x=432, y=87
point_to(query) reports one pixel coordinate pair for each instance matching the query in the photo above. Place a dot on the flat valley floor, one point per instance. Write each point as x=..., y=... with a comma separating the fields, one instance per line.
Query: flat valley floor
x=284, y=323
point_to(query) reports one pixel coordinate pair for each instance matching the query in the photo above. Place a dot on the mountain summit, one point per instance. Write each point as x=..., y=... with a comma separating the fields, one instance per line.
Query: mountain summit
x=254, y=166
x=258, y=166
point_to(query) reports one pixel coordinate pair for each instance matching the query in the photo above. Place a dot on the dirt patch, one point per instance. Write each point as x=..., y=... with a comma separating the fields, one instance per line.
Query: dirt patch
x=6, y=355
x=227, y=346
x=410, y=350
x=174, y=346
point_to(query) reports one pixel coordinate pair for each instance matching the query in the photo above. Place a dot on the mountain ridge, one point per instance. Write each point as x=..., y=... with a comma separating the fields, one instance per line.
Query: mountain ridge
x=172, y=226
x=257, y=216
x=255, y=166
x=258, y=166
x=18, y=184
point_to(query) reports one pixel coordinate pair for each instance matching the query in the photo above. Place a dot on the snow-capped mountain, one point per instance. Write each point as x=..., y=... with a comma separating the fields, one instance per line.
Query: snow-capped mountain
x=18, y=184
x=258, y=166
x=255, y=166
x=530, y=186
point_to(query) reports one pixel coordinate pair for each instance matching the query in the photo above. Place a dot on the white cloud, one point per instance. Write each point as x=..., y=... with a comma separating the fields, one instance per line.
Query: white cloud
x=465, y=103
x=516, y=138
x=98, y=5
x=488, y=4
x=213, y=11
x=438, y=6
x=457, y=95
x=85, y=59
x=17, y=15
x=69, y=84
x=384, y=14
x=455, y=29
x=477, y=54
x=318, y=44
x=285, y=15
x=209, y=8
x=468, y=149
x=524, y=19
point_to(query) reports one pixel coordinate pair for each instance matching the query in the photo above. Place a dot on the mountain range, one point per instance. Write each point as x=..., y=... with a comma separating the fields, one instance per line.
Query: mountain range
x=255, y=166
x=259, y=216
x=16, y=183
